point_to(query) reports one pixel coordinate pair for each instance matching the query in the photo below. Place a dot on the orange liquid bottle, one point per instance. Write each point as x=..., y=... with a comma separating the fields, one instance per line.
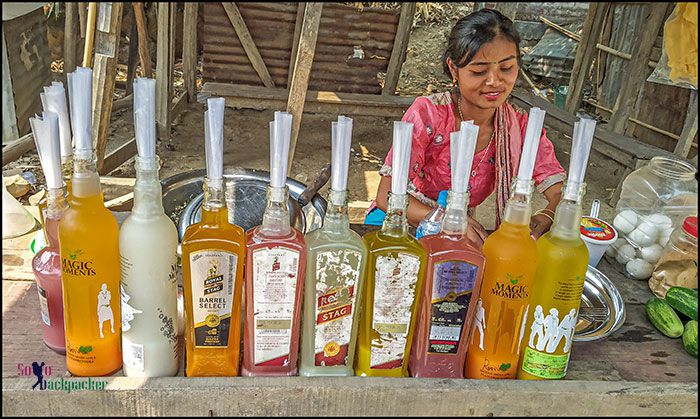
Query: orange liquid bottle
x=213, y=251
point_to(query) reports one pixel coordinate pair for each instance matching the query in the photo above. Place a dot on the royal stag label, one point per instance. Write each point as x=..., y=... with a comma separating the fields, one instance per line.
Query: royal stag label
x=337, y=275
x=212, y=273
x=453, y=283
x=274, y=292
x=394, y=291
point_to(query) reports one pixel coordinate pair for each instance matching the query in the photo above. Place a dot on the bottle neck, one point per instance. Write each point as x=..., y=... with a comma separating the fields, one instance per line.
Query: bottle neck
x=148, y=195
x=336, y=218
x=214, y=209
x=67, y=168
x=395, y=222
x=455, y=221
x=56, y=205
x=276, y=216
x=567, y=219
x=85, y=179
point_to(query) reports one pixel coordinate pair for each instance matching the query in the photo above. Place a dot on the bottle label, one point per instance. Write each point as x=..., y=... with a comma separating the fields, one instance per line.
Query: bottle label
x=544, y=365
x=128, y=312
x=133, y=355
x=394, y=291
x=212, y=273
x=275, y=274
x=549, y=334
x=43, y=302
x=337, y=273
x=453, y=283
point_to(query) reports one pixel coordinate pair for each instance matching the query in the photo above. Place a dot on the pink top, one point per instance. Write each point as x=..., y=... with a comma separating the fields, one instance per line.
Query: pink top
x=433, y=120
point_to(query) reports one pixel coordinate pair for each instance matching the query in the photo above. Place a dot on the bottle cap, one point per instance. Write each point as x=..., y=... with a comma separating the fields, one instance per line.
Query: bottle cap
x=690, y=226
x=442, y=198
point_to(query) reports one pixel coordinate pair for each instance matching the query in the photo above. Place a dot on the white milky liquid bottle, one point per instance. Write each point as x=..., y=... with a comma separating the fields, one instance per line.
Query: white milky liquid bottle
x=148, y=245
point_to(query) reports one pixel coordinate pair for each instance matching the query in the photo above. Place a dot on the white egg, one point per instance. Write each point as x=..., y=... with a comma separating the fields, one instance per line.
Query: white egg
x=663, y=240
x=652, y=253
x=650, y=229
x=639, y=269
x=662, y=221
x=611, y=251
x=626, y=221
x=641, y=238
x=625, y=253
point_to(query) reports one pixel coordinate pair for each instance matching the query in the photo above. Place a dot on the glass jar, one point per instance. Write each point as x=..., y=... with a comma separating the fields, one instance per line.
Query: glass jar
x=678, y=265
x=655, y=199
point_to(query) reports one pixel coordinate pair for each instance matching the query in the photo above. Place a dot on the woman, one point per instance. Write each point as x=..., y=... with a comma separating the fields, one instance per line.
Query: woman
x=482, y=58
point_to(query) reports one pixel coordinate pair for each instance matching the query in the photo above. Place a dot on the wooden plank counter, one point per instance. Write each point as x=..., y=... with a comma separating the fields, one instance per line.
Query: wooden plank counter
x=636, y=371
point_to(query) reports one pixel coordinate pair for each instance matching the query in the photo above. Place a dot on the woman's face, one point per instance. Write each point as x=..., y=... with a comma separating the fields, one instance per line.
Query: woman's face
x=488, y=79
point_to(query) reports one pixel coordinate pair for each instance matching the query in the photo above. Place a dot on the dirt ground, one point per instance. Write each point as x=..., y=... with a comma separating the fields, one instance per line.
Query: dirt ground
x=247, y=141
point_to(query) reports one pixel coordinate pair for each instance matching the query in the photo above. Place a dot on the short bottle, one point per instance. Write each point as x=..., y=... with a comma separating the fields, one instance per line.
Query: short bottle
x=432, y=223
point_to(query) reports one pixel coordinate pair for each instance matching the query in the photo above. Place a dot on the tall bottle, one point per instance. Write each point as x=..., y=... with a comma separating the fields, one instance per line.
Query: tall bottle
x=89, y=242
x=148, y=245
x=394, y=276
x=53, y=99
x=454, y=269
x=213, y=253
x=511, y=259
x=561, y=272
x=275, y=266
x=335, y=268
x=46, y=264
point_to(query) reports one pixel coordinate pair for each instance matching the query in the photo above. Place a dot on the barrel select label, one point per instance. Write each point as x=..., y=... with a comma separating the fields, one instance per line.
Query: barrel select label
x=212, y=273
x=43, y=303
x=275, y=274
x=337, y=275
x=394, y=291
x=453, y=283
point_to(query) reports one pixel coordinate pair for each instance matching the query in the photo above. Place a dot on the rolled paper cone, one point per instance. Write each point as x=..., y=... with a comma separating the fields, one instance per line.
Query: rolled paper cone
x=341, y=138
x=401, y=154
x=584, y=131
x=462, y=147
x=280, y=135
x=46, y=134
x=215, y=125
x=80, y=89
x=533, y=133
x=145, y=116
x=54, y=100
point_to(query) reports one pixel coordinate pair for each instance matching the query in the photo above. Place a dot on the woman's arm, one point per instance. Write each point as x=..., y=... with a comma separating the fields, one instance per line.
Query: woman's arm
x=541, y=223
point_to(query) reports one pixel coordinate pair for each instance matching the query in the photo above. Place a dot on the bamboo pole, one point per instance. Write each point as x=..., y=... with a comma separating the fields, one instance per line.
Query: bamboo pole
x=90, y=34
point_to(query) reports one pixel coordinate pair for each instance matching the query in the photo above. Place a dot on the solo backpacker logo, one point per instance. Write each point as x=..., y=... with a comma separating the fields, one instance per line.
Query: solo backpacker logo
x=41, y=371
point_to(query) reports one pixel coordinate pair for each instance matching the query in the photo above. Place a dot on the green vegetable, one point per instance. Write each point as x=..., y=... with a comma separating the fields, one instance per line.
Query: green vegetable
x=662, y=316
x=690, y=337
x=684, y=300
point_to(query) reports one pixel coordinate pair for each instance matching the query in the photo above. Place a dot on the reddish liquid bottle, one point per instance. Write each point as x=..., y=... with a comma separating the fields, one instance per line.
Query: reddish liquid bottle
x=275, y=266
x=453, y=273
x=47, y=271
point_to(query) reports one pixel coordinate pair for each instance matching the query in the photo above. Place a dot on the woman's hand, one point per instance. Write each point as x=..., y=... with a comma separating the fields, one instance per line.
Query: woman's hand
x=539, y=224
x=476, y=232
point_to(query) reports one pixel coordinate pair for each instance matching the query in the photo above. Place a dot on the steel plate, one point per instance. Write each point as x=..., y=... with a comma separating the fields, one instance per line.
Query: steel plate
x=599, y=293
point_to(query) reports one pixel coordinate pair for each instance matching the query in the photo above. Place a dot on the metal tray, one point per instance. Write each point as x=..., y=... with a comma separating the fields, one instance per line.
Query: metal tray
x=599, y=294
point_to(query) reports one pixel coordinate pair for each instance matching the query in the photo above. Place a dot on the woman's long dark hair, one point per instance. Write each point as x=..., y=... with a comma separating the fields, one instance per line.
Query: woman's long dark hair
x=471, y=32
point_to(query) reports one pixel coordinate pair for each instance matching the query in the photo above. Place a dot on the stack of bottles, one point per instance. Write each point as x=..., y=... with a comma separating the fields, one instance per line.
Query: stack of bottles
x=275, y=302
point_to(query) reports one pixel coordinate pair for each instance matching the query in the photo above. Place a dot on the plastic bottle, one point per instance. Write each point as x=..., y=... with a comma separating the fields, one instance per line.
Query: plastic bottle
x=432, y=222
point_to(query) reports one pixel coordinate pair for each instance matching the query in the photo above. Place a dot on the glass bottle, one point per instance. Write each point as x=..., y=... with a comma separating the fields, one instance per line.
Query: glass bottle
x=562, y=258
x=275, y=265
x=453, y=271
x=89, y=242
x=148, y=247
x=392, y=285
x=46, y=265
x=335, y=268
x=511, y=258
x=67, y=172
x=213, y=251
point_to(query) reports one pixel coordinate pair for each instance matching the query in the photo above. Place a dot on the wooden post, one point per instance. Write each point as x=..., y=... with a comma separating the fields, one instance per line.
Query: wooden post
x=104, y=73
x=234, y=15
x=189, y=50
x=70, y=38
x=637, y=70
x=89, y=34
x=398, y=52
x=585, y=53
x=295, y=44
x=163, y=71
x=302, y=69
x=690, y=127
x=82, y=15
x=10, y=132
x=133, y=58
x=144, y=50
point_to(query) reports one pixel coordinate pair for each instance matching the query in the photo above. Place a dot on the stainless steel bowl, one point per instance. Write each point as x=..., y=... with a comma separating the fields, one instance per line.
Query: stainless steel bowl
x=183, y=196
x=602, y=310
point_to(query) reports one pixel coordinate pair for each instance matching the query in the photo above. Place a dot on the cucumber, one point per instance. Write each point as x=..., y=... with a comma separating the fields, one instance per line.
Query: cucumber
x=684, y=300
x=662, y=316
x=690, y=337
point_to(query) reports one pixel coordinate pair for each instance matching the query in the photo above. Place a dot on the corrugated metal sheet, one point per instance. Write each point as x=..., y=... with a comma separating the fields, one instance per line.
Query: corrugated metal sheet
x=30, y=63
x=271, y=25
